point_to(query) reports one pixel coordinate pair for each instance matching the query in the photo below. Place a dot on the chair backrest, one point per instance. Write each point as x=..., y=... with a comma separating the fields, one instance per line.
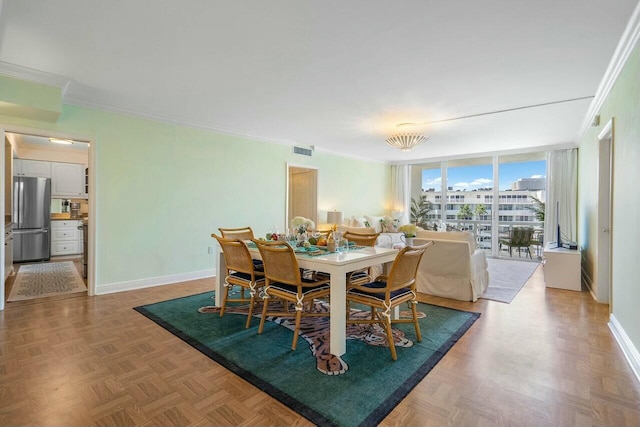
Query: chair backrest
x=521, y=236
x=368, y=239
x=243, y=233
x=405, y=267
x=280, y=263
x=236, y=254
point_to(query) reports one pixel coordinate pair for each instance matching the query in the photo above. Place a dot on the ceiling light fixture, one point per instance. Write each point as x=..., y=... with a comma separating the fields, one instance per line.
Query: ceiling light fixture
x=61, y=141
x=406, y=141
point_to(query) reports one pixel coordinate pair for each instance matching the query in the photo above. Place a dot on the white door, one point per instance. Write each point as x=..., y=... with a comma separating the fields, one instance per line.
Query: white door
x=2, y=205
x=603, y=263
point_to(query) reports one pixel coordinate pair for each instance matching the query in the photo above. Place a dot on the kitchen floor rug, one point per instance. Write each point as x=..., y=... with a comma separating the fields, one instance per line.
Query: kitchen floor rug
x=359, y=388
x=46, y=279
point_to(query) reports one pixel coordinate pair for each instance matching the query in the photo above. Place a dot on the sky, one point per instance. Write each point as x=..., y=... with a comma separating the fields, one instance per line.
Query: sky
x=481, y=176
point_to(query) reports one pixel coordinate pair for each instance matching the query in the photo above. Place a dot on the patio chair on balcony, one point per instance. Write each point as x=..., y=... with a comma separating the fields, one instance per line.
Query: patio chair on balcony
x=519, y=238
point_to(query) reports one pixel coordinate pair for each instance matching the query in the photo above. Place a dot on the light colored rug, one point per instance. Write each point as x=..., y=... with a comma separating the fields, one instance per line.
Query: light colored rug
x=44, y=280
x=506, y=278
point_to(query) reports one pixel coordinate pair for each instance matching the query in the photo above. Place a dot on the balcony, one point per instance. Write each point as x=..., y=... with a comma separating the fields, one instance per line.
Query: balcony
x=481, y=230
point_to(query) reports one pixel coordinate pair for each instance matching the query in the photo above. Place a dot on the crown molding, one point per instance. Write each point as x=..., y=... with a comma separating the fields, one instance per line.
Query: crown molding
x=625, y=46
x=35, y=76
x=129, y=112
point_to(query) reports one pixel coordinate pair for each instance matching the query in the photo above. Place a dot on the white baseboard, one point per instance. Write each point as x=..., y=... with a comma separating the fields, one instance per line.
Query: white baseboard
x=153, y=281
x=629, y=350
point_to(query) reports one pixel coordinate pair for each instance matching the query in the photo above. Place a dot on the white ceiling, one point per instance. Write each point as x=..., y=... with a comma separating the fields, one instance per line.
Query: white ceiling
x=337, y=75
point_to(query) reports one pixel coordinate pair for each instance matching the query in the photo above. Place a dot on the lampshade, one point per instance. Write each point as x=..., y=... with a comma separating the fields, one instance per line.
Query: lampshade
x=406, y=141
x=334, y=217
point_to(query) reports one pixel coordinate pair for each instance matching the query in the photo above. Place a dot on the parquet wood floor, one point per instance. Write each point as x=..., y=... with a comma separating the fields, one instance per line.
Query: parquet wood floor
x=546, y=359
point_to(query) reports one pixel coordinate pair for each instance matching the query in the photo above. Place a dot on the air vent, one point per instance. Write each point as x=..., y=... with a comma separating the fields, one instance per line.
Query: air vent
x=303, y=151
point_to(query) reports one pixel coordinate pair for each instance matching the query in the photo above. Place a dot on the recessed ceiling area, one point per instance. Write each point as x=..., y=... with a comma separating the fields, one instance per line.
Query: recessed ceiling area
x=338, y=76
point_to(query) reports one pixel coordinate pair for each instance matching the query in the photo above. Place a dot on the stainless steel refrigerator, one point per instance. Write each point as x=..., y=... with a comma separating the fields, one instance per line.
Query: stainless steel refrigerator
x=32, y=218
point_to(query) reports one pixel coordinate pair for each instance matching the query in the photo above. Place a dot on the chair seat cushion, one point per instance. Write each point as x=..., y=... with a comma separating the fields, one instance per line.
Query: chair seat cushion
x=359, y=275
x=293, y=289
x=377, y=291
x=258, y=265
x=244, y=277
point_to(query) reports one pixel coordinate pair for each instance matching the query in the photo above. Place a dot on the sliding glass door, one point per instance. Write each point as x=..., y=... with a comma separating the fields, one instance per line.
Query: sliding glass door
x=521, y=205
x=489, y=197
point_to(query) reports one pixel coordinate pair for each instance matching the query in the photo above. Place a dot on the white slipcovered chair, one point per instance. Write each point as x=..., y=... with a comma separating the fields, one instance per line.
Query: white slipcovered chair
x=454, y=267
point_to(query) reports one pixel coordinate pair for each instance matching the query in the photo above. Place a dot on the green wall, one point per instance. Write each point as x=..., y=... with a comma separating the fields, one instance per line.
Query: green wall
x=623, y=104
x=162, y=189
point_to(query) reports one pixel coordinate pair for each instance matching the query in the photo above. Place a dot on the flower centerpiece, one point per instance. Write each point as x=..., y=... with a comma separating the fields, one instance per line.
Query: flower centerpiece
x=299, y=226
x=409, y=230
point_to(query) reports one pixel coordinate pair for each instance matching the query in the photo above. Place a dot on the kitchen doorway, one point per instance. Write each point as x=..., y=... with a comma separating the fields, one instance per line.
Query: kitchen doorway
x=68, y=206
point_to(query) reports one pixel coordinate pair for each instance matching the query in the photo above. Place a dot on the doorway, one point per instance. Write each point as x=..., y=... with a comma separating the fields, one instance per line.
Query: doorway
x=604, y=231
x=302, y=193
x=38, y=150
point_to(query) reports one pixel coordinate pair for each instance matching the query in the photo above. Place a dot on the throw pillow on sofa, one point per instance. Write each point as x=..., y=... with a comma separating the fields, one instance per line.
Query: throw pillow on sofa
x=389, y=225
x=358, y=222
x=375, y=222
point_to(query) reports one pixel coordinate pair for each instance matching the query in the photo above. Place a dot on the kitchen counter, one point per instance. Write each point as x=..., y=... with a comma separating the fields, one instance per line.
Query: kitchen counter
x=65, y=217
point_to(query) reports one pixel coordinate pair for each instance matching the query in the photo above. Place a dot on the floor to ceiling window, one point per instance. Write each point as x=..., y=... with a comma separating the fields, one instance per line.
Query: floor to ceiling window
x=522, y=194
x=488, y=197
x=469, y=196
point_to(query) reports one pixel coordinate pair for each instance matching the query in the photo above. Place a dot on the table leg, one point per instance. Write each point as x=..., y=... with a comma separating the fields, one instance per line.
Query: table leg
x=338, y=323
x=219, y=284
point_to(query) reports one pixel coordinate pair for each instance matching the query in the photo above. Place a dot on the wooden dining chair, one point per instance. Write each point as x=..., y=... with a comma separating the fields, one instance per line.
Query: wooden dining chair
x=284, y=281
x=240, y=271
x=241, y=233
x=360, y=277
x=388, y=292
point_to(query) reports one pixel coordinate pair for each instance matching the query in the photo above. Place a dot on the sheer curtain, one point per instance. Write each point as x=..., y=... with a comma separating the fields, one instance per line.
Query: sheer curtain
x=400, y=192
x=562, y=185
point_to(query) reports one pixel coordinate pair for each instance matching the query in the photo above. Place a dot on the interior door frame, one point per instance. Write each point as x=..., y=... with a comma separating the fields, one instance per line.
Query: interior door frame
x=289, y=166
x=605, y=201
x=92, y=243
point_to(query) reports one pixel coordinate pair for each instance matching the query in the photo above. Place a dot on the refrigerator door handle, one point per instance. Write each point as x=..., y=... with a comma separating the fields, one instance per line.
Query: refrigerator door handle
x=43, y=231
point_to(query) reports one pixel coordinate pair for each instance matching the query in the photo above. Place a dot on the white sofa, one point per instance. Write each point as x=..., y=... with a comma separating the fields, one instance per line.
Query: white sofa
x=385, y=240
x=452, y=267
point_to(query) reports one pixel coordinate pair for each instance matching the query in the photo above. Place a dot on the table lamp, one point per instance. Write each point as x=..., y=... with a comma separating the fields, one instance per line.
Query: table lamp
x=334, y=218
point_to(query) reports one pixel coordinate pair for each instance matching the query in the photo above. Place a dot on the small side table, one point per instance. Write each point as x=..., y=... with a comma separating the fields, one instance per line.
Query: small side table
x=562, y=268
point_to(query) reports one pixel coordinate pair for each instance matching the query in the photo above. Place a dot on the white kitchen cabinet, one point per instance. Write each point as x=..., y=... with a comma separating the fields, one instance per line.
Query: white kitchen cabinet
x=65, y=237
x=562, y=268
x=67, y=180
x=24, y=167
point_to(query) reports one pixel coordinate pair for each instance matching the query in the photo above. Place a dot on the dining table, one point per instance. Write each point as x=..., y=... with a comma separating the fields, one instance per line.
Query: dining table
x=336, y=265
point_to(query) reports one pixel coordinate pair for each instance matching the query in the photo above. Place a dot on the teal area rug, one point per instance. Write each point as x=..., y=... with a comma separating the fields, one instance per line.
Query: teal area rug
x=358, y=389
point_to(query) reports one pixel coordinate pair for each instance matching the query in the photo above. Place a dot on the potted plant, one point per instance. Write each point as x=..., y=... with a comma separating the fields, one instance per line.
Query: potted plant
x=408, y=231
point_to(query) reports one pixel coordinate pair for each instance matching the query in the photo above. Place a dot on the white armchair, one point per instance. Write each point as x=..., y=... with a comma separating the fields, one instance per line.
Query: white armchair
x=453, y=267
